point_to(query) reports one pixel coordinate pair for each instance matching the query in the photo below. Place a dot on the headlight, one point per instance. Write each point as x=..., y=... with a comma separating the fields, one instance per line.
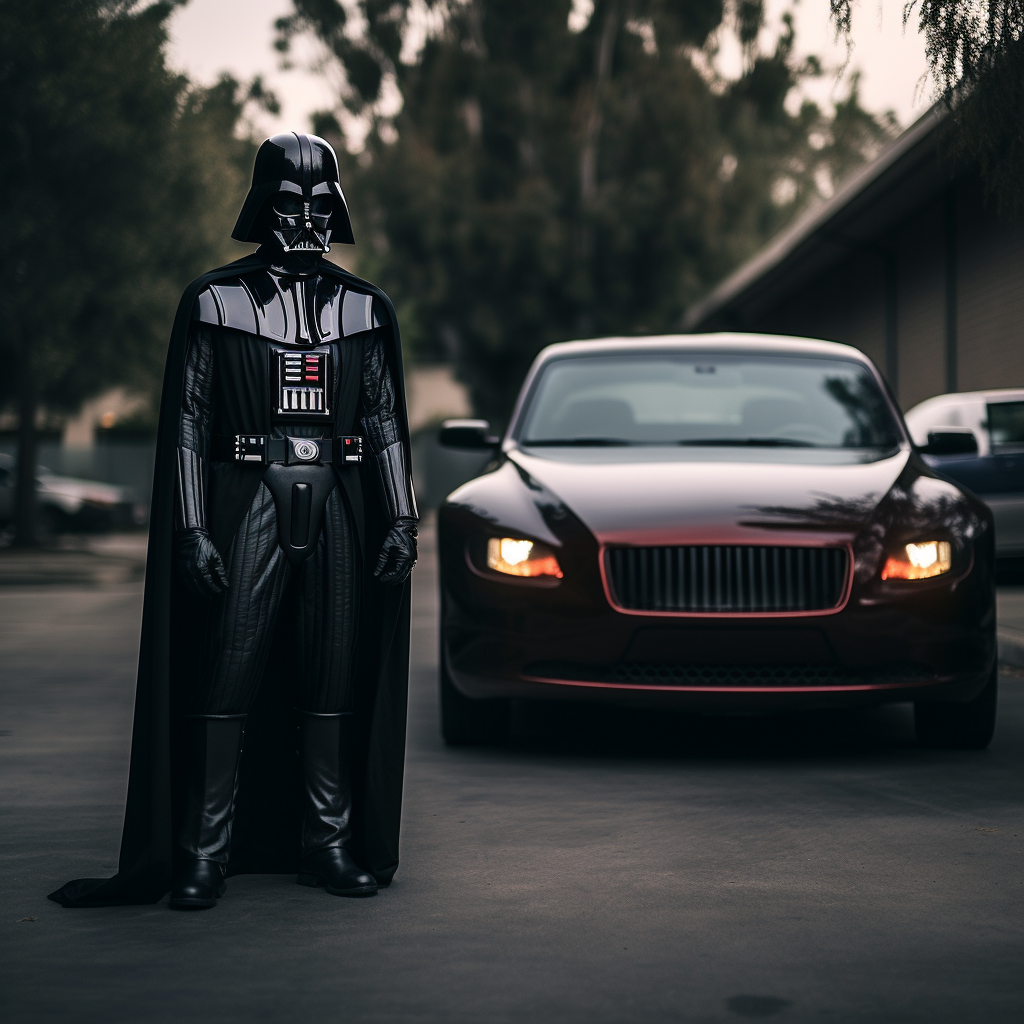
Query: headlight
x=517, y=557
x=919, y=561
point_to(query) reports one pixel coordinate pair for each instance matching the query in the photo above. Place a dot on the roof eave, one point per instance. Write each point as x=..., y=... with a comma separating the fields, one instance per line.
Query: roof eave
x=920, y=134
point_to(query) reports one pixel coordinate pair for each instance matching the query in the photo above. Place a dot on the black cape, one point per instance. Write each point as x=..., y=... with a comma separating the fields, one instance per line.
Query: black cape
x=266, y=830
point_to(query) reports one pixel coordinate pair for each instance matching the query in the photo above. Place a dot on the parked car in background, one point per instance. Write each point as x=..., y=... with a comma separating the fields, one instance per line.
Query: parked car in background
x=989, y=458
x=68, y=505
x=733, y=523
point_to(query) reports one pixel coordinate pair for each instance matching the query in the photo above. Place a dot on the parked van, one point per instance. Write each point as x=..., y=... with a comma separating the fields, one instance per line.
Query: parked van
x=992, y=465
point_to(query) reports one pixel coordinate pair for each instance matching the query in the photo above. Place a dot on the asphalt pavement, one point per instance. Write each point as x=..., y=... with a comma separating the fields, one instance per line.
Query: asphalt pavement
x=604, y=866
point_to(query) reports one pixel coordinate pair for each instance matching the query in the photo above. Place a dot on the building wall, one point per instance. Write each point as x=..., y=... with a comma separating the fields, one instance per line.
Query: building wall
x=825, y=310
x=990, y=297
x=433, y=395
x=920, y=256
x=853, y=302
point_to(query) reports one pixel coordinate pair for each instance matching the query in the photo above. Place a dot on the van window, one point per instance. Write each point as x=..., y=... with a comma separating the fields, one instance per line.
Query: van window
x=1006, y=425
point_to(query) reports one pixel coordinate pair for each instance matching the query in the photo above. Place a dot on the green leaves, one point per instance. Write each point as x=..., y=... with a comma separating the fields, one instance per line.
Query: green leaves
x=120, y=181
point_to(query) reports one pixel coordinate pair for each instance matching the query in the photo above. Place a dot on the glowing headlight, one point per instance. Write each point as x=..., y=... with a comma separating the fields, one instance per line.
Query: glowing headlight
x=516, y=557
x=919, y=561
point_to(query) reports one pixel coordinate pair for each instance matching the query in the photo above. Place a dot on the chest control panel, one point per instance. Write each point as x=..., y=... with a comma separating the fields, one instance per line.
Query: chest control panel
x=302, y=384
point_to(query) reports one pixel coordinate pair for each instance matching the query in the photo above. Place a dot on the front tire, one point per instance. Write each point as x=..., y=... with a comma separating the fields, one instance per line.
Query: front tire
x=49, y=523
x=959, y=726
x=466, y=722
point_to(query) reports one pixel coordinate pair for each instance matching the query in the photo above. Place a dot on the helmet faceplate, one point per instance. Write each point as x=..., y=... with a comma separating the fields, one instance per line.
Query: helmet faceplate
x=304, y=166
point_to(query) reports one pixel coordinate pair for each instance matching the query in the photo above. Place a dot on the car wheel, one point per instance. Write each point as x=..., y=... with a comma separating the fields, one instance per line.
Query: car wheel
x=467, y=722
x=49, y=523
x=959, y=726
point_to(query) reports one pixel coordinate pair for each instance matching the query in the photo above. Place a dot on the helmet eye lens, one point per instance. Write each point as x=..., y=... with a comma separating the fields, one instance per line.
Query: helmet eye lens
x=288, y=205
x=321, y=206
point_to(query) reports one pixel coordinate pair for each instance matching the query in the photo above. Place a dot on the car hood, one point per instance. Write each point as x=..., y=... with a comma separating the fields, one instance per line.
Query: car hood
x=674, y=496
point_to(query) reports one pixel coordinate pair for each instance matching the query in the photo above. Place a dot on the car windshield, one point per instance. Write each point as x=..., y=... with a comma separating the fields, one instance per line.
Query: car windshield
x=692, y=398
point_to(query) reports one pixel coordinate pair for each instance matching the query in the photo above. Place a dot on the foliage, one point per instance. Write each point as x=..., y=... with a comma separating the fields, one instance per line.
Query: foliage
x=119, y=181
x=524, y=183
x=975, y=52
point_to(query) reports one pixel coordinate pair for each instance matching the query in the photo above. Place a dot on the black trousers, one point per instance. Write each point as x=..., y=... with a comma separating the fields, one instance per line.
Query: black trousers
x=320, y=599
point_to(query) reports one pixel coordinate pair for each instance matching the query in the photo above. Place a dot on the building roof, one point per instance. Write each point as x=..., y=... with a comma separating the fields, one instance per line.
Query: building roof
x=904, y=174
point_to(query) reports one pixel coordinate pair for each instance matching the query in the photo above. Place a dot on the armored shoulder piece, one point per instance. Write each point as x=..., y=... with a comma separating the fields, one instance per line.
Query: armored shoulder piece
x=289, y=310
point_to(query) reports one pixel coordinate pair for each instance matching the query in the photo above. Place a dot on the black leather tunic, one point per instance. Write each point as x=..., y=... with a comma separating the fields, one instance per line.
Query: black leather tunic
x=243, y=331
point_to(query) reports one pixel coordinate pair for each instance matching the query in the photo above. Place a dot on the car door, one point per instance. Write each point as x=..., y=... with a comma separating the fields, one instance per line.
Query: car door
x=1004, y=479
x=997, y=476
x=6, y=495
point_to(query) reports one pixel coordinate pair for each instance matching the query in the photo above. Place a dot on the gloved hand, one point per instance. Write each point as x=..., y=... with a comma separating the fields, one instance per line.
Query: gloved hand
x=199, y=562
x=397, y=553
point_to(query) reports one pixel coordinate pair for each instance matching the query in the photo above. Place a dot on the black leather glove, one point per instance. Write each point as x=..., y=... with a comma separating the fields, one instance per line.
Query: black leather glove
x=397, y=553
x=199, y=562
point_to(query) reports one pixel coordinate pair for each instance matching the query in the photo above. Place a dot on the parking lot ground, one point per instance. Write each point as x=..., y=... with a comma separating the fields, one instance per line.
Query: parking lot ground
x=603, y=866
x=76, y=560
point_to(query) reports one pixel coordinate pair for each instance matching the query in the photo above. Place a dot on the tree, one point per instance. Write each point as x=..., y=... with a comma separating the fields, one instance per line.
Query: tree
x=975, y=52
x=119, y=181
x=525, y=181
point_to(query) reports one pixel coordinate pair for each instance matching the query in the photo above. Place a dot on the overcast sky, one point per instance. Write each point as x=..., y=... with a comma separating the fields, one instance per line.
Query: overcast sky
x=208, y=36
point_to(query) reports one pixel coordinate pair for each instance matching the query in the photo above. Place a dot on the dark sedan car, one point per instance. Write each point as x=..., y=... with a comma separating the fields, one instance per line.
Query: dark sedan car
x=713, y=523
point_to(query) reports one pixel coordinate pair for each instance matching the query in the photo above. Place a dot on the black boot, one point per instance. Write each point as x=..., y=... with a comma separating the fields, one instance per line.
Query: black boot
x=325, y=745
x=204, y=841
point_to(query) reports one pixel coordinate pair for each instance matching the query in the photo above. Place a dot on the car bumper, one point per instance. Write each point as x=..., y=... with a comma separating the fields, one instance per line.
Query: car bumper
x=722, y=699
x=91, y=518
x=497, y=646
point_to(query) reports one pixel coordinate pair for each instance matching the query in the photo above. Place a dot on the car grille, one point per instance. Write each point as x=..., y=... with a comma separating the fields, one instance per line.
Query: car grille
x=727, y=578
x=727, y=676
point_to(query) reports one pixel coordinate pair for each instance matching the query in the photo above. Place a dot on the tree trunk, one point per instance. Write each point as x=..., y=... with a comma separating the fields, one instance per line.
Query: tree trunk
x=602, y=71
x=25, y=496
x=584, y=234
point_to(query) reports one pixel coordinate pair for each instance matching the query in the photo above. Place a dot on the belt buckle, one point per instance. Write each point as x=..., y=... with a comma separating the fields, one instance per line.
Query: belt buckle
x=250, y=448
x=304, y=449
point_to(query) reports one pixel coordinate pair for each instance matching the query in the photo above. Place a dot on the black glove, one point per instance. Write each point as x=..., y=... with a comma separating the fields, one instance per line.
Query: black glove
x=397, y=553
x=199, y=562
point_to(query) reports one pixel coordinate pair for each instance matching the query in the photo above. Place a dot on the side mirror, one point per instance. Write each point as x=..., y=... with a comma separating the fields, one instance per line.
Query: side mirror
x=951, y=441
x=472, y=434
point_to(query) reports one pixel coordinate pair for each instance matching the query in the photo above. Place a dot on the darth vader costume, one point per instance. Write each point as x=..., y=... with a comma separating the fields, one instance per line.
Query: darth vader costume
x=269, y=731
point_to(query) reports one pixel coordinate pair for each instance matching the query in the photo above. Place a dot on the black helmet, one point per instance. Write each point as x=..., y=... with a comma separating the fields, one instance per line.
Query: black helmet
x=304, y=165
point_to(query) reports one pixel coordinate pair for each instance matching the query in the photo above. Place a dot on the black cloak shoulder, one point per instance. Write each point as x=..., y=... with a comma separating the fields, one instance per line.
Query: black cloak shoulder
x=266, y=823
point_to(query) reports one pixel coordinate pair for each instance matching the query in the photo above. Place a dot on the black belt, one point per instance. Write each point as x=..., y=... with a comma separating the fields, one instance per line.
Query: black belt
x=292, y=451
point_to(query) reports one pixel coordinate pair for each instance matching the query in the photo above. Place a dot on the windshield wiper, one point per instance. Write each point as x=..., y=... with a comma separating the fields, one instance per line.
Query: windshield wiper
x=749, y=442
x=586, y=442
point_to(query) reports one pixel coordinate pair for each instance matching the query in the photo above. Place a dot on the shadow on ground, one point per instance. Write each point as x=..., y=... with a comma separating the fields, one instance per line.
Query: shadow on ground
x=596, y=730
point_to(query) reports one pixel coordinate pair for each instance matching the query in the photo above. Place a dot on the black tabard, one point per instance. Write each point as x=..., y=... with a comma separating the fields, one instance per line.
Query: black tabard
x=265, y=320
